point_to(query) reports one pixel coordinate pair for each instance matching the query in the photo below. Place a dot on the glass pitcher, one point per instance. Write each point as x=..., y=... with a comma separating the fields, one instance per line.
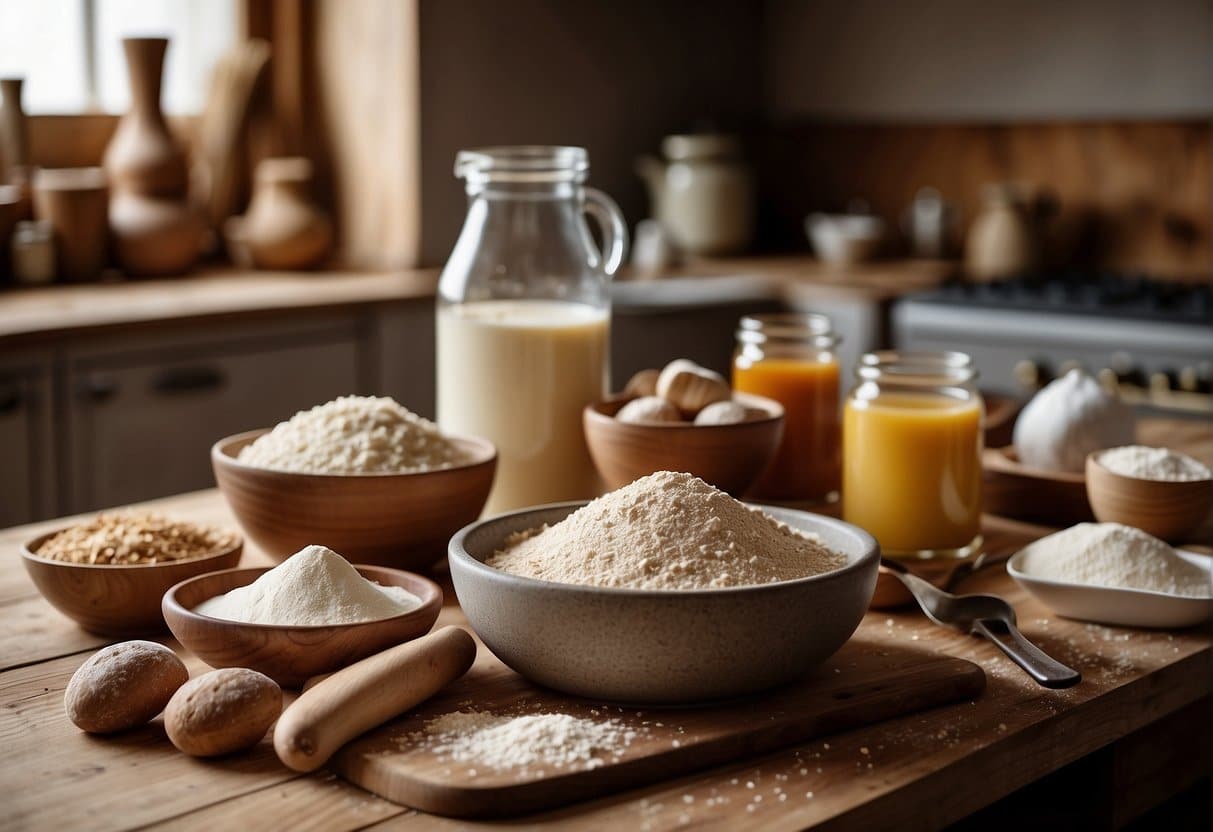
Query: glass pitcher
x=523, y=318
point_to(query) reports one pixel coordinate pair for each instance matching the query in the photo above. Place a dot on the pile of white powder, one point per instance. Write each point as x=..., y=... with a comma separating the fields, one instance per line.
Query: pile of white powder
x=667, y=531
x=1148, y=463
x=354, y=435
x=1113, y=555
x=523, y=742
x=313, y=587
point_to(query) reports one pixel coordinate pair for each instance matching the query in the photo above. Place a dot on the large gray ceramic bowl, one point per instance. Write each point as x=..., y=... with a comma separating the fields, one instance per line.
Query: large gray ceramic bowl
x=661, y=646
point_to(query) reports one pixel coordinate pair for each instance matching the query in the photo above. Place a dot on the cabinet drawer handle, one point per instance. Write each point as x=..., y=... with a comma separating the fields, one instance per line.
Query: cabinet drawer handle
x=96, y=388
x=187, y=380
x=12, y=397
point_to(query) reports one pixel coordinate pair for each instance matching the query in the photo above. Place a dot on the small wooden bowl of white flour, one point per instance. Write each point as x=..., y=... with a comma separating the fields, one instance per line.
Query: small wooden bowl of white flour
x=1163, y=493
x=292, y=654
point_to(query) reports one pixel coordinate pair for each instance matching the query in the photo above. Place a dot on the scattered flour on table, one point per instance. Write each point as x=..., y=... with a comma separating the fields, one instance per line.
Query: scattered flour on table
x=1148, y=463
x=666, y=531
x=354, y=435
x=1114, y=555
x=523, y=742
x=313, y=587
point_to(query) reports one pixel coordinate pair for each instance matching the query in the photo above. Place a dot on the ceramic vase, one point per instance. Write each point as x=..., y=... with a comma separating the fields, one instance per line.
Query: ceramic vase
x=283, y=228
x=155, y=229
x=14, y=144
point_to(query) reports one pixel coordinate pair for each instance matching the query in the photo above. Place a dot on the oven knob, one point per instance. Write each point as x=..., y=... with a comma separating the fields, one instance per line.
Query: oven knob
x=1127, y=372
x=1193, y=380
x=1031, y=375
x=1164, y=381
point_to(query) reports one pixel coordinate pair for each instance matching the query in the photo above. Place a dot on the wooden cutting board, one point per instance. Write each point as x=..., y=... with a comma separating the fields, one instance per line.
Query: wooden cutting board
x=865, y=682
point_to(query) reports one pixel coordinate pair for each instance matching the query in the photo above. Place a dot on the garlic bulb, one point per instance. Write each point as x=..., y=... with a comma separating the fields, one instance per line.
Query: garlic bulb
x=722, y=413
x=644, y=383
x=1067, y=420
x=648, y=409
x=690, y=387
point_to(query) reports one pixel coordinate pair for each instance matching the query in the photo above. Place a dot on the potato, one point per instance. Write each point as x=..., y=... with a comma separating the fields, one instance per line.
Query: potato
x=222, y=711
x=122, y=686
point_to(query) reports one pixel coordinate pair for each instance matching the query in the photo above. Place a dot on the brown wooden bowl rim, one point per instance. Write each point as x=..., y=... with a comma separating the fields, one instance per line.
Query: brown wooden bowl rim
x=486, y=454
x=1008, y=463
x=28, y=553
x=774, y=413
x=1161, y=485
x=429, y=605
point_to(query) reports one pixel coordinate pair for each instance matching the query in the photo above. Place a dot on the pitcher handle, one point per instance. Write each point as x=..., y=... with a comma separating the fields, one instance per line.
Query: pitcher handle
x=614, y=231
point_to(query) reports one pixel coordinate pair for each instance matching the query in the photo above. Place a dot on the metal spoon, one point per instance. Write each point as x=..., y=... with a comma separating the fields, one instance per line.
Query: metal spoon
x=989, y=616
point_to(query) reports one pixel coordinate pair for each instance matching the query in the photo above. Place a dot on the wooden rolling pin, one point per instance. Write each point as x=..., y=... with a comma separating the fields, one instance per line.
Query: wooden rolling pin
x=368, y=693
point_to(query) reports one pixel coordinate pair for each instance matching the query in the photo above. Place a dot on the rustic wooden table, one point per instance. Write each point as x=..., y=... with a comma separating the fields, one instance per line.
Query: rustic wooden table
x=1144, y=701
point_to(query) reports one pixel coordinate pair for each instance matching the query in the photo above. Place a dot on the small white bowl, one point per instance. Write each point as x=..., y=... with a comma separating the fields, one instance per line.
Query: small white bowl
x=1110, y=605
x=843, y=239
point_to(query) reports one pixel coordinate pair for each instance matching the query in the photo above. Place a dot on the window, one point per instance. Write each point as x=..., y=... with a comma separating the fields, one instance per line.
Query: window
x=70, y=51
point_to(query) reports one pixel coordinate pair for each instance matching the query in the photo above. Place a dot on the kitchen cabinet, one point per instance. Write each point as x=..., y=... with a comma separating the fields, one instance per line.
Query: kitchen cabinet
x=27, y=458
x=402, y=349
x=114, y=393
x=141, y=418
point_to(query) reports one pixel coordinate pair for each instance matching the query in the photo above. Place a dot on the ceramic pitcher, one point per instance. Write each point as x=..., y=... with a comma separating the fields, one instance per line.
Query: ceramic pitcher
x=703, y=193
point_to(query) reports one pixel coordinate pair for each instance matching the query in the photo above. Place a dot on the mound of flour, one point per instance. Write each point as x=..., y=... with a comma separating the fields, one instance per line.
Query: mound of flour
x=1110, y=554
x=354, y=435
x=667, y=531
x=313, y=587
x=524, y=742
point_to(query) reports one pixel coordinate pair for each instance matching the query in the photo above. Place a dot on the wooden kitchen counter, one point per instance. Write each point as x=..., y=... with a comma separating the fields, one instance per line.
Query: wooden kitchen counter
x=37, y=315
x=1143, y=705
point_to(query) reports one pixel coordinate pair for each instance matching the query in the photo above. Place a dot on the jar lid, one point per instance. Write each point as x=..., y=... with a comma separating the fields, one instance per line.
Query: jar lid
x=33, y=231
x=70, y=179
x=700, y=146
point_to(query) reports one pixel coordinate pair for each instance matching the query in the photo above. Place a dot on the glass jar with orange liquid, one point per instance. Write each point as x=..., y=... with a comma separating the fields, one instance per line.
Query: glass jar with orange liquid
x=912, y=436
x=790, y=358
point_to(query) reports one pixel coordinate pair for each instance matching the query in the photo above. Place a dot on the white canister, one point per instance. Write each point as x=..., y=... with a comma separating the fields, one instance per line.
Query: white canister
x=703, y=193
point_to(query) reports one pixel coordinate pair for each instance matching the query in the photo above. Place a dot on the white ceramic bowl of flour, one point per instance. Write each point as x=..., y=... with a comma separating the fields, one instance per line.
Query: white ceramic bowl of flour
x=661, y=646
x=1116, y=606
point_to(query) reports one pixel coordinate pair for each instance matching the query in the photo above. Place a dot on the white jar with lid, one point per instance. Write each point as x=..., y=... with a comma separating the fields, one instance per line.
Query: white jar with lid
x=703, y=194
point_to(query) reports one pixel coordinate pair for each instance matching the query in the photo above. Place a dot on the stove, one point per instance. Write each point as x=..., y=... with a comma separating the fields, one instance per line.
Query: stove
x=1150, y=340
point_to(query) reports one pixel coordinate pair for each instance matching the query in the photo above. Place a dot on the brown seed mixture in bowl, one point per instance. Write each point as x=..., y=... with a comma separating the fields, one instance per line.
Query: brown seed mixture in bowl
x=132, y=538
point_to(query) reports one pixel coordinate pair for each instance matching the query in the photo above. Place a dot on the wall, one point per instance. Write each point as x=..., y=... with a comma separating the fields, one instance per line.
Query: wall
x=613, y=77
x=363, y=78
x=991, y=60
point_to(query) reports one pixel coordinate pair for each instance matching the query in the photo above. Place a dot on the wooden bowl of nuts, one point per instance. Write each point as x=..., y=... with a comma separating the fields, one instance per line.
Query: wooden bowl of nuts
x=108, y=574
x=696, y=424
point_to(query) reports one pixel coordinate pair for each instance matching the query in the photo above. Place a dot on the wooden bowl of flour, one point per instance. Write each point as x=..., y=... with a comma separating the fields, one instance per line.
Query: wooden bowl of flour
x=661, y=646
x=398, y=520
x=1167, y=509
x=290, y=655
